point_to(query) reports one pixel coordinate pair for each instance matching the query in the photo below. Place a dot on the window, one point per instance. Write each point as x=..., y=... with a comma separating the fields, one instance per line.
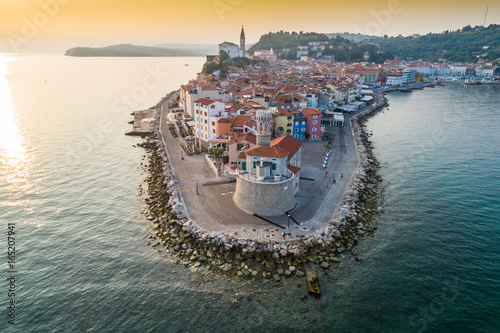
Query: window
x=205, y=113
x=289, y=118
x=288, y=131
x=289, y=125
x=206, y=121
x=315, y=117
x=303, y=123
x=213, y=123
x=296, y=130
x=213, y=131
x=315, y=122
x=314, y=129
x=212, y=106
x=302, y=129
x=314, y=136
x=197, y=112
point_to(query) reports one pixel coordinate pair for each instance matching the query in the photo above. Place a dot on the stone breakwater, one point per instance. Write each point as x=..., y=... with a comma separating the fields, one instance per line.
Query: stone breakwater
x=274, y=260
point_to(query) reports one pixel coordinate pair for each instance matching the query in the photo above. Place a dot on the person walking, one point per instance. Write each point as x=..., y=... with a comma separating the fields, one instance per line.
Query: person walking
x=326, y=173
x=341, y=175
x=320, y=189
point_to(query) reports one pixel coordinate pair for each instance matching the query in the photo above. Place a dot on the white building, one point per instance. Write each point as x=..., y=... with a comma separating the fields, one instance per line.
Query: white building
x=408, y=76
x=458, y=70
x=394, y=79
x=232, y=49
x=206, y=117
x=188, y=94
x=485, y=72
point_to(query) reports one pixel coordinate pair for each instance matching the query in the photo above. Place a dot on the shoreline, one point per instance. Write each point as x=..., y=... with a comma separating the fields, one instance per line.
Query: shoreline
x=273, y=260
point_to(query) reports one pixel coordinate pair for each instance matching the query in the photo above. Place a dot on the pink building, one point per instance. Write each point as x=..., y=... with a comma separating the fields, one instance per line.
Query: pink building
x=313, y=118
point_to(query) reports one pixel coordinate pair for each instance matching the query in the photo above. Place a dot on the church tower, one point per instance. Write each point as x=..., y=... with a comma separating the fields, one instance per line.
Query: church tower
x=242, y=42
x=264, y=126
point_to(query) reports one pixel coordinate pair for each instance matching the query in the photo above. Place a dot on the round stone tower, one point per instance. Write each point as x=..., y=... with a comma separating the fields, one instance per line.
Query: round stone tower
x=264, y=126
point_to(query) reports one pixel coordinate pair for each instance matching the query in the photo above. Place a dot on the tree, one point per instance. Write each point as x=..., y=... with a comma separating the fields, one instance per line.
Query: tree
x=210, y=67
x=223, y=55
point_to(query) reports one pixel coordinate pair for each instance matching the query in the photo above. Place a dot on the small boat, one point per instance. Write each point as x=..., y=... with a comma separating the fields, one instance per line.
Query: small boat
x=470, y=82
x=186, y=65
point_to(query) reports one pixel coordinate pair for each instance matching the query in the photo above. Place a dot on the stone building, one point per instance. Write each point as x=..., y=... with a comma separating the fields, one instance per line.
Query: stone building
x=268, y=176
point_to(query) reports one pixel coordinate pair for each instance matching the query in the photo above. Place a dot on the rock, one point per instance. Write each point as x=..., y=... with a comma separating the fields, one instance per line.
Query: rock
x=291, y=268
x=335, y=259
x=276, y=277
x=325, y=265
x=226, y=267
x=280, y=271
x=358, y=258
x=299, y=273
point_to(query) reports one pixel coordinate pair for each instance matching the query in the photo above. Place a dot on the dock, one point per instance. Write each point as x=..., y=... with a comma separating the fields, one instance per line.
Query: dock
x=143, y=122
x=312, y=279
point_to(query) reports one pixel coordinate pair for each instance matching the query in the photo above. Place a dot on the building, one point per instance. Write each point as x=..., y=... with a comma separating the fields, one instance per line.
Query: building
x=233, y=50
x=408, y=76
x=206, y=118
x=394, y=79
x=283, y=122
x=268, y=177
x=313, y=123
x=299, y=125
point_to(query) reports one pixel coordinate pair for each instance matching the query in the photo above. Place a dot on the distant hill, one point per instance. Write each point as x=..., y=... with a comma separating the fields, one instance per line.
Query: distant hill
x=286, y=40
x=352, y=37
x=465, y=45
x=128, y=50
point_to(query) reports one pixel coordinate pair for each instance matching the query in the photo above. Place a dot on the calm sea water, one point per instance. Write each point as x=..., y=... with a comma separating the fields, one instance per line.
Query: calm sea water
x=69, y=178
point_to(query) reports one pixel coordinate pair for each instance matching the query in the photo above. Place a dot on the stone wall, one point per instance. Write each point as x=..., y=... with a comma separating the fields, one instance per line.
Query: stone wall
x=267, y=199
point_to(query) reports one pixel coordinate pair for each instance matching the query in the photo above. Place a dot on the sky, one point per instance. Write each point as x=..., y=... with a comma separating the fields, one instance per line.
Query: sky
x=59, y=24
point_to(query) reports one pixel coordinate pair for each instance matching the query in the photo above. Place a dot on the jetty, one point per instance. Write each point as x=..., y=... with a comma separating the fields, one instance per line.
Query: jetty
x=143, y=122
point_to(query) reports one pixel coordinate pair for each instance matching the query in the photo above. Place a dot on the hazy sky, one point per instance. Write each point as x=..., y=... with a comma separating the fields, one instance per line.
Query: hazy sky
x=30, y=24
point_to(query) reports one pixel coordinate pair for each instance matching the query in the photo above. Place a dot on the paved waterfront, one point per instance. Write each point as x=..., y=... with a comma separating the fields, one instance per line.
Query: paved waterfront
x=214, y=210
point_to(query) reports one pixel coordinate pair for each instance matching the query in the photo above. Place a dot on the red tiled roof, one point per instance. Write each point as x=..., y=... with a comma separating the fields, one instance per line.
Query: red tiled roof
x=293, y=169
x=267, y=152
x=247, y=137
x=239, y=121
x=288, y=143
x=205, y=101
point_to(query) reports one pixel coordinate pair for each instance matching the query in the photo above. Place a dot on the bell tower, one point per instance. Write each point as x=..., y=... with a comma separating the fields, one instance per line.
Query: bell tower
x=264, y=125
x=242, y=42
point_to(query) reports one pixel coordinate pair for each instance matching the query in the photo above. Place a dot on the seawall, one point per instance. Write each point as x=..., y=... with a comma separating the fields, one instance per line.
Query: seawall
x=235, y=256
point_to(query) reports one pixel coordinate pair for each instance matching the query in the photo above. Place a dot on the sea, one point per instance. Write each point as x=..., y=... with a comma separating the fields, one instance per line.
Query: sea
x=69, y=202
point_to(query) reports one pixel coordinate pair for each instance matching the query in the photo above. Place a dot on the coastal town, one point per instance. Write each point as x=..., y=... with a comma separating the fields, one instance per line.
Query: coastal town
x=258, y=171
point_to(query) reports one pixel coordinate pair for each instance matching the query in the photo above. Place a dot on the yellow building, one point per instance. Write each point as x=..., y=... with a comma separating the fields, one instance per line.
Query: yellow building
x=283, y=121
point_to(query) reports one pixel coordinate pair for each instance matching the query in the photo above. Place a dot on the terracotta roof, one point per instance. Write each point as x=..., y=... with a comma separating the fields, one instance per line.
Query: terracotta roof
x=247, y=137
x=242, y=155
x=239, y=121
x=293, y=169
x=310, y=112
x=205, y=101
x=267, y=152
x=288, y=143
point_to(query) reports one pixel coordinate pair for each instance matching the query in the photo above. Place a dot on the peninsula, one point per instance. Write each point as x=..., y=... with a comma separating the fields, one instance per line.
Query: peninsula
x=262, y=166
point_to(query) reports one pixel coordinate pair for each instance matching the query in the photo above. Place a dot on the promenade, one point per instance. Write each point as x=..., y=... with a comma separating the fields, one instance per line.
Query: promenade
x=214, y=210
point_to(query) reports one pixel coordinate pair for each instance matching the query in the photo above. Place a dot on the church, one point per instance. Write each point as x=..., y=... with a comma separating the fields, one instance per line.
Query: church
x=268, y=177
x=234, y=50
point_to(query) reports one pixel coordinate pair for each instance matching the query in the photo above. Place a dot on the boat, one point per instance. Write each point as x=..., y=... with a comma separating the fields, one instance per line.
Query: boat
x=186, y=65
x=470, y=82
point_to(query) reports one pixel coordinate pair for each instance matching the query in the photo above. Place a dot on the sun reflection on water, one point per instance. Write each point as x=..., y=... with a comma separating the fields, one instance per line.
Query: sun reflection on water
x=10, y=138
x=14, y=160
